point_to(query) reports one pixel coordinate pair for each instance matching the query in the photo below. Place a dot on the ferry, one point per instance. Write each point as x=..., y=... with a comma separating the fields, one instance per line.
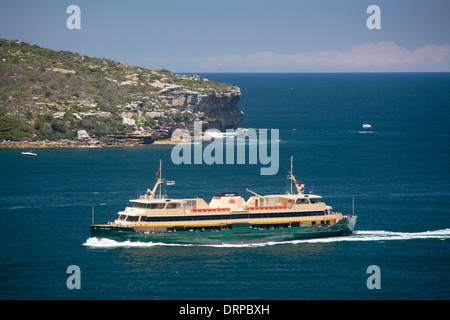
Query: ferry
x=365, y=125
x=227, y=219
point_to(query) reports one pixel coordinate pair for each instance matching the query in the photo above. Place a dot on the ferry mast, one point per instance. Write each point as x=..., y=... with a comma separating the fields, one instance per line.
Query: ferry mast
x=298, y=184
x=159, y=181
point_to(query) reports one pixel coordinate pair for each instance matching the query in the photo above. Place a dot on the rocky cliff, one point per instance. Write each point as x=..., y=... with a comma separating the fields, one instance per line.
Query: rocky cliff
x=59, y=95
x=217, y=109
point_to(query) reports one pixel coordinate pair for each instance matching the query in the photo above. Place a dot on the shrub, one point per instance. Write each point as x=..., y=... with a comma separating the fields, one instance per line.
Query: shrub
x=13, y=128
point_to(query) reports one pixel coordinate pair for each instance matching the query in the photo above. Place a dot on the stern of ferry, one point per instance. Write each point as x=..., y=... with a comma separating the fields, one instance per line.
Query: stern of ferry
x=112, y=232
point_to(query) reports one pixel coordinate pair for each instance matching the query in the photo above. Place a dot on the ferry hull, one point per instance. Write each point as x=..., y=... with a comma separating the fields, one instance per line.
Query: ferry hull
x=235, y=235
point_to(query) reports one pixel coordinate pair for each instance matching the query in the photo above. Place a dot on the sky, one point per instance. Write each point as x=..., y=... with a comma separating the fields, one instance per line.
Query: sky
x=242, y=35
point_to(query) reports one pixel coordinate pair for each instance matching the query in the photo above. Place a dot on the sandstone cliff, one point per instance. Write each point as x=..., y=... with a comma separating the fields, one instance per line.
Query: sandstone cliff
x=217, y=109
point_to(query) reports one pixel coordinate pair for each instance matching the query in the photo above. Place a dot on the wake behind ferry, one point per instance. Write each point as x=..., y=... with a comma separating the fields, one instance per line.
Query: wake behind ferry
x=227, y=218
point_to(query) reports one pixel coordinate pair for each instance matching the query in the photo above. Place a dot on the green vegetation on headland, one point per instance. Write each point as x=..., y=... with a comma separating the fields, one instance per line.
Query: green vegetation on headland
x=46, y=94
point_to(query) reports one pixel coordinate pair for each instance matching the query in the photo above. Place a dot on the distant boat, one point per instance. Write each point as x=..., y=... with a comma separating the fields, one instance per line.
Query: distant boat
x=366, y=126
x=29, y=153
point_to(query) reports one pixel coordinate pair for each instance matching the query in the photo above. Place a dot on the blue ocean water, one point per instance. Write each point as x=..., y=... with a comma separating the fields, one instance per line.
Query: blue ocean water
x=398, y=174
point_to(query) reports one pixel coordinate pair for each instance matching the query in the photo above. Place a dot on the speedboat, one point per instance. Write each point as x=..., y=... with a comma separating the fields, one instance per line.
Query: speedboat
x=29, y=153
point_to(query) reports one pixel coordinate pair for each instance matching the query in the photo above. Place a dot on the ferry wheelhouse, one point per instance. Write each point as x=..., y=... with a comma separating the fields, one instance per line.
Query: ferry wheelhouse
x=227, y=218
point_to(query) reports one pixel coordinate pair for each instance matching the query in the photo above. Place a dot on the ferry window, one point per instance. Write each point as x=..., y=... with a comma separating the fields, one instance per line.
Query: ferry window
x=301, y=201
x=157, y=206
x=313, y=200
x=272, y=201
x=190, y=203
x=122, y=217
x=133, y=218
x=174, y=205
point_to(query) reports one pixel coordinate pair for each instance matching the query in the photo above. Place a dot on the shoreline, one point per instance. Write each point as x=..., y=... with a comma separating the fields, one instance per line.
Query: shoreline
x=78, y=144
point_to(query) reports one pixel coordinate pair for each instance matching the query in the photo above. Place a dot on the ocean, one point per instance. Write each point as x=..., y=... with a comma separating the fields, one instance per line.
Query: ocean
x=398, y=174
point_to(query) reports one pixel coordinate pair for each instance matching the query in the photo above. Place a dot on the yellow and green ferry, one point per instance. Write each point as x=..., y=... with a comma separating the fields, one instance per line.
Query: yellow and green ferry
x=226, y=219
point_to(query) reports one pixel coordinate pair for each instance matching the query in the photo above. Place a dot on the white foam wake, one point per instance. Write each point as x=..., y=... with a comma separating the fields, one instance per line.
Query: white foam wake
x=390, y=235
x=363, y=235
x=108, y=243
x=381, y=235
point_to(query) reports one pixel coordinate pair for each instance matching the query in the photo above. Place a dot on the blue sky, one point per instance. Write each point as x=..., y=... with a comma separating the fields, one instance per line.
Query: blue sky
x=244, y=35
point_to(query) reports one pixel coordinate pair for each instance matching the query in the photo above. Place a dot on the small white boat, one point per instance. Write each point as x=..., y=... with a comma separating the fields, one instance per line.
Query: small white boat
x=29, y=153
x=366, y=126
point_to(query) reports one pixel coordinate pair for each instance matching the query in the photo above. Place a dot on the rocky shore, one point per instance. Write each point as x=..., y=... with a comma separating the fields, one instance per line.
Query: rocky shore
x=214, y=109
x=65, y=143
